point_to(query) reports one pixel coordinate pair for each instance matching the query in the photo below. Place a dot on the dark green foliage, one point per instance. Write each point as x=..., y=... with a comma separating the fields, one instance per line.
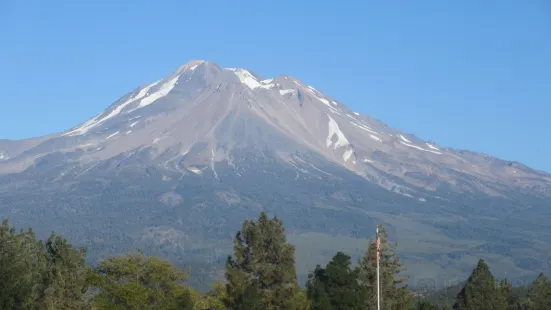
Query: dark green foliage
x=516, y=296
x=248, y=298
x=446, y=295
x=261, y=275
x=22, y=266
x=336, y=286
x=482, y=291
x=262, y=271
x=423, y=304
x=539, y=294
x=38, y=276
x=65, y=275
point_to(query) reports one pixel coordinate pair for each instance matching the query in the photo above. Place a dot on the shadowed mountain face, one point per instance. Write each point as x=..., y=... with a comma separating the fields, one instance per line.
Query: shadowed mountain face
x=175, y=167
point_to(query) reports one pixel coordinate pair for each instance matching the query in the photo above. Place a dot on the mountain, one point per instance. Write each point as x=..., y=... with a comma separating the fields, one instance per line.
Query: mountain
x=175, y=166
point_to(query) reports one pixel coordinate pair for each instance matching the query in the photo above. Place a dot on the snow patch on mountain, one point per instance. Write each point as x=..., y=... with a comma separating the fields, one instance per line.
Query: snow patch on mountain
x=364, y=127
x=212, y=163
x=319, y=96
x=157, y=139
x=143, y=92
x=112, y=135
x=86, y=145
x=347, y=154
x=324, y=101
x=250, y=81
x=84, y=127
x=195, y=170
x=190, y=66
x=375, y=138
x=163, y=91
x=434, y=152
x=95, y=121
x=247, y=78
x=432, y=147
x=286, y=91
x=419, y=148
x=404, y=138
x=3, y=156
x=335, y=131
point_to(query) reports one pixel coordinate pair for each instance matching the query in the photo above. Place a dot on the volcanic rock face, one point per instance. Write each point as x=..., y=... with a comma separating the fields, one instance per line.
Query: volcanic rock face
x=190, y=156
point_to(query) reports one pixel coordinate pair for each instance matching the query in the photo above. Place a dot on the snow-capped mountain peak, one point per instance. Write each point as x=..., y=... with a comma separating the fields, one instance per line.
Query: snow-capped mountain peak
x=202, y=103
x=207, y=146
x=190, y=66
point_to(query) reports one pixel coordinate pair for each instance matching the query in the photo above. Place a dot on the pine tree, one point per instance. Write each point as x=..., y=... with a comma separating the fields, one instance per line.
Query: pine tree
x=65, y=277
x=317, y=291
x=481, y=292
x=394, y=295
x=262, y=273
x=539, y=293
x=513, y=300
x=22, y=266
x=336, y=286
x=34, y=275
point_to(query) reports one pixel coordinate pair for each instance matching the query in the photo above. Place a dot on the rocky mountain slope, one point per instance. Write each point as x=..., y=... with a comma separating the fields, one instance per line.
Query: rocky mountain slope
x=176, y=165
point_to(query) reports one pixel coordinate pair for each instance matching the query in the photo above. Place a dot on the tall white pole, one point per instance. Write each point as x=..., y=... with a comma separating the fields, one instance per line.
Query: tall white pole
x=378, y=256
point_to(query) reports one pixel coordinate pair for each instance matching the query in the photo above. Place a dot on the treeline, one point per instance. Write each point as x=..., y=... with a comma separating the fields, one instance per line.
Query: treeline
x=260, y=274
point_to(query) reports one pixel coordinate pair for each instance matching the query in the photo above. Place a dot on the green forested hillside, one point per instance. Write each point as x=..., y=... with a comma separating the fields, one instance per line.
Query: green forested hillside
x=260, y=273
x=130, y=203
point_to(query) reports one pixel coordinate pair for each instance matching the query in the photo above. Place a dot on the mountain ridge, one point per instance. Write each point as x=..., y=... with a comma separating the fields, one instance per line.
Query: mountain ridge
x=203, y=75
x=194, y=63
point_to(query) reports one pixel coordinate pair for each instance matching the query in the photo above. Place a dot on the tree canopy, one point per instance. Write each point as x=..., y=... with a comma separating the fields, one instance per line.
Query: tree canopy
x=261, y=274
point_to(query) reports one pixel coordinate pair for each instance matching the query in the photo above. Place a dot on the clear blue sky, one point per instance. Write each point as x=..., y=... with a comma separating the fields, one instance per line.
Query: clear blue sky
x=467, y=74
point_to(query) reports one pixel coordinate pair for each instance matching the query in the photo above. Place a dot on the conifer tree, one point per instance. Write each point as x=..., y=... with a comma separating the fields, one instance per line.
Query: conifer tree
x=38, y=276
x=22, y=265
x=394, y=294
x=262, y=273
x=513, y=300
x=335, y=286
x=539, y=293
x=65, y=277
x=481, y=292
